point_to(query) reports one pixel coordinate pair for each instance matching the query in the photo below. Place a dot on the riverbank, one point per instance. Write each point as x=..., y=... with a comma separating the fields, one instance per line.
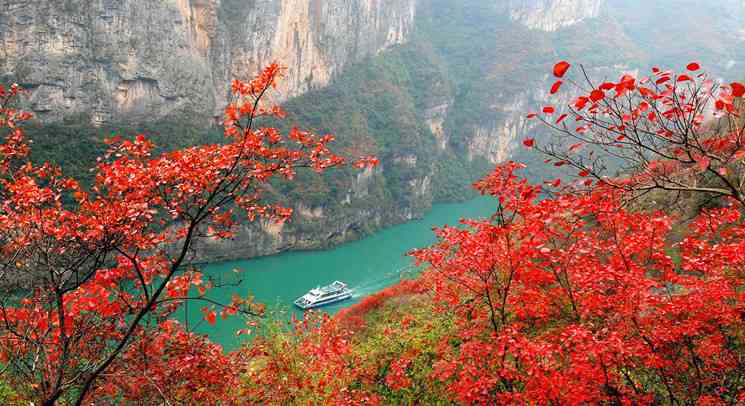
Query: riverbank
x=368, y=265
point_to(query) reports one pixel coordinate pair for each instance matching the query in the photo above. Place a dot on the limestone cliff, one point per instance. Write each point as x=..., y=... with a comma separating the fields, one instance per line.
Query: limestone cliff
x=137, y=59
x=551, y=15
x=606, y=36
x=438, y=110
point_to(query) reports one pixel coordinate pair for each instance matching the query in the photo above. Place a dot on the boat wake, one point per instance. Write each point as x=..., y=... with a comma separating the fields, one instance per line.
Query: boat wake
x=381, y=282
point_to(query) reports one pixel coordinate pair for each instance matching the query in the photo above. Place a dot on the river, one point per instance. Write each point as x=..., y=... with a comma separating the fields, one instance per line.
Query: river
x=367, y=266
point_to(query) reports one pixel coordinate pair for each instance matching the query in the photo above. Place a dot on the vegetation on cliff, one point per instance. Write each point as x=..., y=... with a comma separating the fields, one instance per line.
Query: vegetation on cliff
x=91, y=274
x=573, y=298
x=439, y=108
x=567, y=294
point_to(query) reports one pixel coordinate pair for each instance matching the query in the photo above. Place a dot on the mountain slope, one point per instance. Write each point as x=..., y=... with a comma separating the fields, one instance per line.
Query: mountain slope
x=437, y=89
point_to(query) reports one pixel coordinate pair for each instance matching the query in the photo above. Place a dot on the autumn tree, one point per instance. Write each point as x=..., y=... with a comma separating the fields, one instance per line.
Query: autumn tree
x=314, y=363
x=667, y=131
x=566, y=296
x=90, y=275
x=572, y=297
x=576, y=300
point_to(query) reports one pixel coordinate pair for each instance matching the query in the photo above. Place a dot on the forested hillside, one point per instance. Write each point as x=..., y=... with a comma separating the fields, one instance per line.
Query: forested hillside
x=141, y=139
x=438, y=92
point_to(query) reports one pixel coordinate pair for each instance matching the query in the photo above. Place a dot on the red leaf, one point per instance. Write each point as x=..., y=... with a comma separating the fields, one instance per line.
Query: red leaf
x=646, y=92
x=561, y=118
x=703, y=163
x=549, y=110
x=561, y=68
x=531, y=115
x=529, y=142
x=607, y=86
x=209, y=315
x=597, y=95
x=556, y=86
x=584, y=173
x=684, y=78
x=628, y=82
x=581, y=102
x=693, y=66
x=662, y=80
x=738, y=89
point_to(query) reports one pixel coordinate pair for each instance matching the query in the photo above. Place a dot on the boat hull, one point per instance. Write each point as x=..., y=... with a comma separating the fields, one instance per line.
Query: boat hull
x=324, y=302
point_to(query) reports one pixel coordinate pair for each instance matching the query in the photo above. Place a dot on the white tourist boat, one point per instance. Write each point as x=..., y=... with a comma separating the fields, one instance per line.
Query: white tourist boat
x=321, y=296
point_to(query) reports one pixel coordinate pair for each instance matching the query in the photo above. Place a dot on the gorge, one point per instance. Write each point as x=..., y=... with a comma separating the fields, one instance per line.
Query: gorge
x=437, y=89
x=531, y=202
x=367, y=266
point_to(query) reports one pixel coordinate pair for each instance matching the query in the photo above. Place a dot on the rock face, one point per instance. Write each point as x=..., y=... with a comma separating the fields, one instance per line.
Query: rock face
x=315, y=38
x=551, y=15
x=137, y=59
x=434, y=117
x=496, y=138
x=448, y=103
x=314, y=228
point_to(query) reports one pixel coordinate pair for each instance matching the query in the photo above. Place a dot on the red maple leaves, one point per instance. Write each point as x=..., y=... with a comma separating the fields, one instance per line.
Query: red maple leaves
x=575, y=297
x=567, y=298
x=561, y=68
x=97, y=272
x=576, y=300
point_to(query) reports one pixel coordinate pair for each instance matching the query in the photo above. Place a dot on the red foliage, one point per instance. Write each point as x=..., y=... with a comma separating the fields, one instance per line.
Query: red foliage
x=314, y=366
x=561, y=68
x=397, y=378
x=650, y=123
x=572, y=298
x=575, y=300
x=555, y=87
x=182, y=368
x=95, y=279
x=353, y=317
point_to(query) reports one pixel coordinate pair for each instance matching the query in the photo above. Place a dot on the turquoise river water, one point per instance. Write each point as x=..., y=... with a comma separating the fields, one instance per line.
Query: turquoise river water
x=367, y=266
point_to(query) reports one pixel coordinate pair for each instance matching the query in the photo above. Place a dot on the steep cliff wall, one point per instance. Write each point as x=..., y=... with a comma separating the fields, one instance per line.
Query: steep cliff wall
x=438, y=89
x=136, y=59
x=513, y=45
x=316, y=39
x=551, y=15
x=107, y=58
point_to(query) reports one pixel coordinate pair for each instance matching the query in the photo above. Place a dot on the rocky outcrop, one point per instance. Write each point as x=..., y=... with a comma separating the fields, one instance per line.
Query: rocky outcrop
x=494, y=138
x=551, y=15
x=316, y=228
x=457, y=93
x=315, y=39
x=435, y=117
x=143, y=59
